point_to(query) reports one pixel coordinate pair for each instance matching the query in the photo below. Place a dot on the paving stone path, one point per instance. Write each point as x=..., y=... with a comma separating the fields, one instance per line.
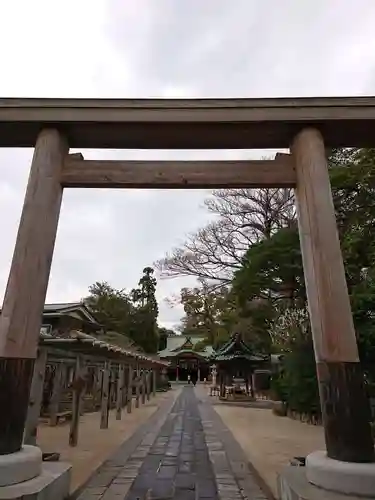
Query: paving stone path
x=185, y=452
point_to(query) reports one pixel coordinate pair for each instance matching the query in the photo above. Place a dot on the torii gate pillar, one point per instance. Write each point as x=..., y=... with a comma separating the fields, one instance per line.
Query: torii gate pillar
x=22, y=311
x=345, y=407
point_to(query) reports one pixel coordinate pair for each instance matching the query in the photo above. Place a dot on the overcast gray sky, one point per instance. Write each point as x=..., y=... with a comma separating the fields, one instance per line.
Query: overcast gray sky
x=161, y=48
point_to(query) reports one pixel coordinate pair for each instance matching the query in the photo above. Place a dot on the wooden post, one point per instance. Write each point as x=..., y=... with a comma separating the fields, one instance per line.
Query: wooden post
x=56, y=394
x=345, y=408
x=110, y=388
x=114, y=382
x=36, y=396
x=130, y=389
x=137, y=387
x=21, y=315
x=105, y=397
x=98, y=387
x=154, y=382
x=148, y=385
x=124, y=400
x=78, y=389
x=137, y=392
x=120, y=383
x=143, y=387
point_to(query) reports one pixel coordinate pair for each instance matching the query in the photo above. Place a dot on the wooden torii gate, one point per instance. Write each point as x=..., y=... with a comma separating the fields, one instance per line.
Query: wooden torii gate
x=306, y=126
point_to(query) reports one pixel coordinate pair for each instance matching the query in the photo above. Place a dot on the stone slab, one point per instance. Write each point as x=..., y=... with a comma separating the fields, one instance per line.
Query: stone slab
x=20, y=466
x=122, y=468
x=52, y=484
x=342, y=477
x=293, y=485
x=177, y=465
x=187, y=453
x=235, y=479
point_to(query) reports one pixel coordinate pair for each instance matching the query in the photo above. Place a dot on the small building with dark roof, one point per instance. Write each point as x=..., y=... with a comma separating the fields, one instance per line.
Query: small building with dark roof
x=235, y=360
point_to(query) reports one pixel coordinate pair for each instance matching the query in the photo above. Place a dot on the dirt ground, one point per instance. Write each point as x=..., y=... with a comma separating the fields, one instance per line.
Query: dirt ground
x=95, y=445
x=270, y=442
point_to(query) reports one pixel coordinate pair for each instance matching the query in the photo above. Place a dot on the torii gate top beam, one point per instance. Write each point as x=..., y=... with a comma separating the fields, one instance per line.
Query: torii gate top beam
x=188, y=123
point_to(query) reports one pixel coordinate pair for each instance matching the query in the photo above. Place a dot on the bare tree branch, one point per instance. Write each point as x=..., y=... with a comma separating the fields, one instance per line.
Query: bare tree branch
x=243, y=217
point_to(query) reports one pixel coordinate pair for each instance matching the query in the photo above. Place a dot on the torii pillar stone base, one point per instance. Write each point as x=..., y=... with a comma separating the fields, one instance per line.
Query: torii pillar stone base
x=24, y=476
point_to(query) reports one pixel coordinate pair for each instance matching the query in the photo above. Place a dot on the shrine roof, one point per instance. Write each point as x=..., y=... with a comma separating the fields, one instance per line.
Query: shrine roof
x=236, y=348
x=185, y=344
x=248, y=357
x=202, y=354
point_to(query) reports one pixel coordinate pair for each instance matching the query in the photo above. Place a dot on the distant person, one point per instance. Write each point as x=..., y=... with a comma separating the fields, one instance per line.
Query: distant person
x=189, y=379
x=194, y=379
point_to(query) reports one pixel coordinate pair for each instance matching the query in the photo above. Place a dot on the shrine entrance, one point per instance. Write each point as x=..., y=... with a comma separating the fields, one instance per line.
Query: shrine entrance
x=193, y=366
x=306, y=126
x=187, y=366
x=184, y=359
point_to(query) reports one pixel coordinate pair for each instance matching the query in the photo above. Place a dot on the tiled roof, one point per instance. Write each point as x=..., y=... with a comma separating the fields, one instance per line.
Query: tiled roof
x=236, y=348
x=62, y=306
x=175, y=346
x=69, y=307
x=75, y=337
x=230, y=357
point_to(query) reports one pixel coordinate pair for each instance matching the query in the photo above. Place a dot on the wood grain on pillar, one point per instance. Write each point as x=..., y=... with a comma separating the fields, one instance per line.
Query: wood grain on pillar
x=344, y=403
x=21, y=315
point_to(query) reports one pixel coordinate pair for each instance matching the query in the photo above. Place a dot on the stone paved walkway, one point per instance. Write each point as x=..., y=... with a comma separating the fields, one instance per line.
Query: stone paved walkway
x=184, y=453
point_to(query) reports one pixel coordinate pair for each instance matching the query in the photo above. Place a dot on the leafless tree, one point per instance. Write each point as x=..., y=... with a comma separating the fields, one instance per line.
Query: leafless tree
x=243, y=217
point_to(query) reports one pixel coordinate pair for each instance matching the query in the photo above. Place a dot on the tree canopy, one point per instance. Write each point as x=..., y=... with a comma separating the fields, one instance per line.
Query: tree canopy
x=132, y=314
